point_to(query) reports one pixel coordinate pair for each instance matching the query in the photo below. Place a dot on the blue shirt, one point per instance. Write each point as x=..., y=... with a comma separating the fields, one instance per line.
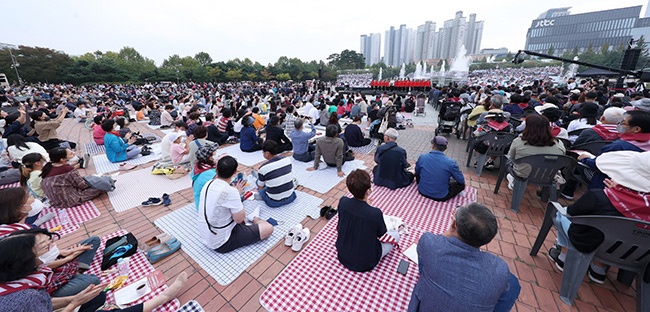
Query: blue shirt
x=455, y=276
x=115, y=147
x=434, y=170
x=248, y=138
x=198, y=181
x=355, y=111
x=300, y=140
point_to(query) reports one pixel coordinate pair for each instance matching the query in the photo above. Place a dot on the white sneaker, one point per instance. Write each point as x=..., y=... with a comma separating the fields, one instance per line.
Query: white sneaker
x=511, y=181
x=300, y=239
x=288, y=239
x=254, y=214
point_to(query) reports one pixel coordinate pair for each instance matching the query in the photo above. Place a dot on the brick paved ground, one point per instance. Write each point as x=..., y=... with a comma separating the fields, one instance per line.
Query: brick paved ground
x=540, y=279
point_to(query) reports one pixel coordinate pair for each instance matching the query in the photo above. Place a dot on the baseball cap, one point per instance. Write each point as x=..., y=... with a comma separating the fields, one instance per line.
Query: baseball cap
x=439, y=141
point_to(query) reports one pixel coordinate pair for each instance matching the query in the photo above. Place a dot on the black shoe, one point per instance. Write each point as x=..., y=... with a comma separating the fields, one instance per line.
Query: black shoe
x=489, y=165
x=554, y=254
x=595, y=277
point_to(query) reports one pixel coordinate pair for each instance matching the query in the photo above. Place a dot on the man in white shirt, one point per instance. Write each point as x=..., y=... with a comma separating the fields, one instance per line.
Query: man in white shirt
x=81, y=112
x=222, y=215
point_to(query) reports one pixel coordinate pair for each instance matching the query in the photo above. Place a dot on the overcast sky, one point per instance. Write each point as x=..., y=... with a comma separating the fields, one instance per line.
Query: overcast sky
x=260, y=30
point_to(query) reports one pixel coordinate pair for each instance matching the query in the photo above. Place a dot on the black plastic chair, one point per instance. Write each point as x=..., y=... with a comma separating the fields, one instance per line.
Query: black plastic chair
x=577, y=132
x=593, y=147
x=543, y=169
x=498, y=145
x=626, y=246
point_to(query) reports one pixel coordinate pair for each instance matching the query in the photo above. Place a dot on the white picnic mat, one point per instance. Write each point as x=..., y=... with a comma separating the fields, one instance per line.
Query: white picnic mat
x=244, y=158
x=370, y=148
x=325, y=178
x=103, y=165
x=93, y=149
x=153, y=127
x=225, y=268
x=135, y=187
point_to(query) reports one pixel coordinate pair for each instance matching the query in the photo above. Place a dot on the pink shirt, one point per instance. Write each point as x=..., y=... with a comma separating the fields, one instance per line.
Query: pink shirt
x=176, y=152
x=98, y=134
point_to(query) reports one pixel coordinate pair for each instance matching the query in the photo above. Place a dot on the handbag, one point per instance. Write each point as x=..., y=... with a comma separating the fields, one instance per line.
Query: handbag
x=384, y=125
x=118, y=247
x=105, y=184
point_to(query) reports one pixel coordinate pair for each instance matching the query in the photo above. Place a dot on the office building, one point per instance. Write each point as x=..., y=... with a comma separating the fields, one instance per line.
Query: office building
x=561, y=31
x=371, y=48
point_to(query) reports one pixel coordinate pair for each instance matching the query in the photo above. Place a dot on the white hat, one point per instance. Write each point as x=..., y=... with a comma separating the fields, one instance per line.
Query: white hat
x=539, y=109
x=575, y=91
x=619, y=95
x=627, y=168
x=175, y=135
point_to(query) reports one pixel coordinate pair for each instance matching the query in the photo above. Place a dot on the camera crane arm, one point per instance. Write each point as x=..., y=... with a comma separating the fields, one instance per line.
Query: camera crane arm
x=519, y=58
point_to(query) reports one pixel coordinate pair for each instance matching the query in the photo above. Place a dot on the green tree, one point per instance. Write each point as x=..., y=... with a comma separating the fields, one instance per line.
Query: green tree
x=35, y=64
x=283, y=77
x=551, y=50
x=348, y=59
x=234, y=75
x=203, y=58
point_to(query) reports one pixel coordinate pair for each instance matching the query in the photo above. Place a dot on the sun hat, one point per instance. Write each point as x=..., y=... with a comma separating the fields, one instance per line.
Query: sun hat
x=493, y=113
x=540, y=108
x=628, y=168
x=642, y=104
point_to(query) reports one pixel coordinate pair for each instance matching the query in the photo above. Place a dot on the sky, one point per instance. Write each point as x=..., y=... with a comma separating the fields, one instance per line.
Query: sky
x=259, y=30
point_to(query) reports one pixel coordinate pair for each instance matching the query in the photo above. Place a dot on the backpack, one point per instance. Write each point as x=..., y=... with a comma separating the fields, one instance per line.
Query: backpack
x=118, y=247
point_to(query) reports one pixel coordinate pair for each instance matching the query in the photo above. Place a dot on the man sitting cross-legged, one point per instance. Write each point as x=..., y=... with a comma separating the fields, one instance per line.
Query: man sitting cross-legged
x=391, y=163
x=221, y=212
x=275, y=178
x=331, y=147
x=437, y=175
x=455, y=275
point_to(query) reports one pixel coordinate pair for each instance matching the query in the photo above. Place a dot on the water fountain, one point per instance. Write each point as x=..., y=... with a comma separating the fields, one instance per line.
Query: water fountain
x=441, y=74
x=402, y=71
x=418, y=71
x=380, y=73
x=571, y=71
x=424, y=70
x=460, y=65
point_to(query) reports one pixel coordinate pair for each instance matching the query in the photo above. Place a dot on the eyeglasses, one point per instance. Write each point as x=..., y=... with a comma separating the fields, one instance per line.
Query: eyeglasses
x=622, y=123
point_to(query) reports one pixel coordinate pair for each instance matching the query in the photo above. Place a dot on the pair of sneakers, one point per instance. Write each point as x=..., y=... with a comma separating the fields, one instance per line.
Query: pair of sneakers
x=155, y=201
x=297, y=237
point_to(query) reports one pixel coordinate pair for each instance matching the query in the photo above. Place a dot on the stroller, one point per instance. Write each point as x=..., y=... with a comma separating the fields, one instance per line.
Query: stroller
x=420, y=103
x=449, y=118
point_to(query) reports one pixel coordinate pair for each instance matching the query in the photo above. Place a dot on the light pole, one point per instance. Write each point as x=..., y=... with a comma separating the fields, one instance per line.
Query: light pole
x=14, y=65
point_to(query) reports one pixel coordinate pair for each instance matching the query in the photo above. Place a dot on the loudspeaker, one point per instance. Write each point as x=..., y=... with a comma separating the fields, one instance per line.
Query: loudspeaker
x=630, y=59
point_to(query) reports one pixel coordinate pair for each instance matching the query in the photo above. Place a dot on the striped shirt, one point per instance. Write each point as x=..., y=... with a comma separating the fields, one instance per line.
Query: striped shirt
x=276, y=175
x=222, y=125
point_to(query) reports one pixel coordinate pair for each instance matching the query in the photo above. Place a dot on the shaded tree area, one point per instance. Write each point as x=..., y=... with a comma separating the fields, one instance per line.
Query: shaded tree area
x=129, y=66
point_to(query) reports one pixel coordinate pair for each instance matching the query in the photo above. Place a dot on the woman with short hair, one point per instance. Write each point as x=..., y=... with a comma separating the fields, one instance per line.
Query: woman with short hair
x=360, y=226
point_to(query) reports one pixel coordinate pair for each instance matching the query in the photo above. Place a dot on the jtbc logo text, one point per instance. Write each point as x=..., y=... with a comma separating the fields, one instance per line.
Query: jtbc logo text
x=545, y=23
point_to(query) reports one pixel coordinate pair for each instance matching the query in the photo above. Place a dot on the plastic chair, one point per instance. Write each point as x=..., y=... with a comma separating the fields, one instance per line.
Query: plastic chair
x=551, y=209
x=593, y=147
x=499, y=143
x=626, y=246
x=542, y=173
x=576, y=132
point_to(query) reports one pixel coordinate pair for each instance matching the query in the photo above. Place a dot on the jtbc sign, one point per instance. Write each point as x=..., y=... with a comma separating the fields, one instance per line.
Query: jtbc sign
x=545, y=23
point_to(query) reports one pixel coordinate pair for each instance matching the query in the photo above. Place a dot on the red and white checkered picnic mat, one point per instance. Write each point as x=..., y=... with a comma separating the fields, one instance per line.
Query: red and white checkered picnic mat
x=76, y=215
x=139, y=268
x=316, y=281
x=416, y=210
x=17, y=184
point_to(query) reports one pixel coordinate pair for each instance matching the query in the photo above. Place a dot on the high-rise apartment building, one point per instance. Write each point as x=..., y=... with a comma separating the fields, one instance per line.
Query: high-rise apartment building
x=405, y=45
x=371, y=48
x=399, y=46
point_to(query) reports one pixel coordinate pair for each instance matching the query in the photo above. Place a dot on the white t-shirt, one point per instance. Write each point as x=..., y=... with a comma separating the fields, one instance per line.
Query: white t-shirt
x=80, y=113
x=222, y=202
x=17, y=154
x=165, y=147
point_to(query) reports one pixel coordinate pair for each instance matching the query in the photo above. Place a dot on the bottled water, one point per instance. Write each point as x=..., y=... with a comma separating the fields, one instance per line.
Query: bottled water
x=123, y=266
x=63, y=216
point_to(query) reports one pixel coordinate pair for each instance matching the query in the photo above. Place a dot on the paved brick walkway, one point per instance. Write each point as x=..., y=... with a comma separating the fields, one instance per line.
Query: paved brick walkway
x=540, y=279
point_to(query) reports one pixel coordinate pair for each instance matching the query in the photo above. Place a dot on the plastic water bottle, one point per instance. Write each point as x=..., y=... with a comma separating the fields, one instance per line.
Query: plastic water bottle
x=63, y=216
x=123, y=266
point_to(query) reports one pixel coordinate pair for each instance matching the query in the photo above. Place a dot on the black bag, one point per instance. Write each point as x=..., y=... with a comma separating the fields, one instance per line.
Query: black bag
x=126, y=244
